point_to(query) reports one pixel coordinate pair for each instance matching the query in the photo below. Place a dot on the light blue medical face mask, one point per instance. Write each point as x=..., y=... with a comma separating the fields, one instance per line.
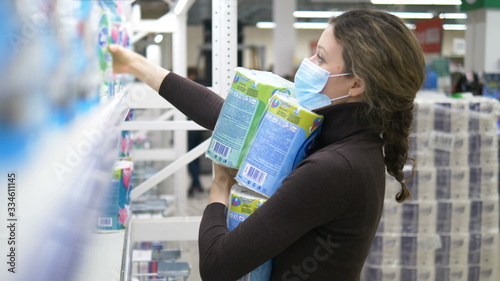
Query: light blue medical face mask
x=310, y=80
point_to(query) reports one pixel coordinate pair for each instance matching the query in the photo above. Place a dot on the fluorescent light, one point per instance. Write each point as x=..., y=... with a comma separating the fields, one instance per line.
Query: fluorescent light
x=158, y=38
x=454, y=27
x=458, y=16
x=410, y=15
x=310, y=25
x=296, y=25
x=179, y=7
x=329, y=14
x=317, y=14
x=416, y=2
x=266, y=25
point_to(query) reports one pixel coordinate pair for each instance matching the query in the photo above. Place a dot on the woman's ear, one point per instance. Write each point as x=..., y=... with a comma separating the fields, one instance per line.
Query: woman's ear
x=357, y=87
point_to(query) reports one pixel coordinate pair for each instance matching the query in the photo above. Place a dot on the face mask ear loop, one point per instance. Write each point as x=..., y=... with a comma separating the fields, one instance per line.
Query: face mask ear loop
x=338, y=75
x=341, y=97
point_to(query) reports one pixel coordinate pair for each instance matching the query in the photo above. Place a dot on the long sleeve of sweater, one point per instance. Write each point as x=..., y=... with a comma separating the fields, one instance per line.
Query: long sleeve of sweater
x=194, y=100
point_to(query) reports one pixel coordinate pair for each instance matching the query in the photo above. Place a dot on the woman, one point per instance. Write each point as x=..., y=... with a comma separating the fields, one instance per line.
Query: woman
x=321, y=222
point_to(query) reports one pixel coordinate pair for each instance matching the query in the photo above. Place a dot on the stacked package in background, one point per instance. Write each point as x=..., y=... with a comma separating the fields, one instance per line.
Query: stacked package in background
x=450, y=230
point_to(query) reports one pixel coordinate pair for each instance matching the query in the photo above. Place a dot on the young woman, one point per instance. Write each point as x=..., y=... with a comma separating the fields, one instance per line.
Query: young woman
x=321, y=222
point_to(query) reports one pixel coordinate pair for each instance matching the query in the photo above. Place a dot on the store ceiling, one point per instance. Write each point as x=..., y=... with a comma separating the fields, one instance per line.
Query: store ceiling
x=252, y=11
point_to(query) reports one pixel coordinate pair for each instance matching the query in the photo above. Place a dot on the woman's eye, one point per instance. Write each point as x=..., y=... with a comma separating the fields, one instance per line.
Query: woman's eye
x=320, y=58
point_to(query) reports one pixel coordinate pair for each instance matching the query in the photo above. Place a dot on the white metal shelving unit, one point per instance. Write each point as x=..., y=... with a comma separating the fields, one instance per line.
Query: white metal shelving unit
x=224, y=42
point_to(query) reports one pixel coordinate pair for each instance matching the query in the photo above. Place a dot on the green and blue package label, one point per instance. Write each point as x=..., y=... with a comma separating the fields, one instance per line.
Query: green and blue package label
x=282, y=140
x=114, y=211
x=243, y=202
x=241, y=113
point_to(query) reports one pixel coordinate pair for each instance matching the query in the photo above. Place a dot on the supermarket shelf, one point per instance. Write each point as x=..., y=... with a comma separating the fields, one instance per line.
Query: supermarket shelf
x=109, y=248
x=166, y=229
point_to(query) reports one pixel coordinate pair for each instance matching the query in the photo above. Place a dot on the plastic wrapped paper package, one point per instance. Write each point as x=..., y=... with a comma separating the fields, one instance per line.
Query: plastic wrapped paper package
x=453, y=216
x=484, y=216
x=392, y=187
x=441, y=114
x=483, y=182
x=451, y=116
x=483, y=115
x=483, y=273
x=439, y=149
x=399, y=273
x=484, y=250
x=449, y=150
x=114, y=212
x=419, y=249
x=391, y=221
x=417, y=217
x=241, y=113
x=452, y=183
x=483, y=149
x=420, y=217
x=423, y=117
x=283, y=139
x=381, y=273
x=454, y=250
x=243, y=202
x=419, y=149
x=385, y=250
x=423, y=184
x=105, y=59
x=458, y=273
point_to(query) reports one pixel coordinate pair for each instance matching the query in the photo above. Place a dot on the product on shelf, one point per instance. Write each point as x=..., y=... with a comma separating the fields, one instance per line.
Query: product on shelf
x=242, y=111
x=115, y=209
x=450, y=230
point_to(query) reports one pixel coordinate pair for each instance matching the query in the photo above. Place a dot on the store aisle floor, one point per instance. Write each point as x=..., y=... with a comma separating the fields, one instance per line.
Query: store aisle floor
x=194, y=207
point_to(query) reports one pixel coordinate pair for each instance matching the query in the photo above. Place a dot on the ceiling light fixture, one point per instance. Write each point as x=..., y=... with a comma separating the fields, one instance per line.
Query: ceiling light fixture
x=310, y=25
x=454, y=27
x=329, y=14
x=317, y=14
x=323, y=25
x=158, y=38
x=410, y=15
x=296, y=25
x=458, y=16
x=416, y=2
x=266, y=25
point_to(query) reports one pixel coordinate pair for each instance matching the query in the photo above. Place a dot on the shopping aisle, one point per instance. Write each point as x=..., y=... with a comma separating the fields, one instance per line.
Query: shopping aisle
x=195, y=207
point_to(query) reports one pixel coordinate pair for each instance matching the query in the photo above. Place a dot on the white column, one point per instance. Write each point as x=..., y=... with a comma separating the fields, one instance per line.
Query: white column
x=483, y=41
x=224, y=44
x=179, y=46
x=284, y=36
x=179, y=66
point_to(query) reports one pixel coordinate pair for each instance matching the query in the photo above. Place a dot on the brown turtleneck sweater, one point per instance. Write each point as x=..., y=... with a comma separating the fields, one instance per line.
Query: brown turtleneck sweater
x=320, y=223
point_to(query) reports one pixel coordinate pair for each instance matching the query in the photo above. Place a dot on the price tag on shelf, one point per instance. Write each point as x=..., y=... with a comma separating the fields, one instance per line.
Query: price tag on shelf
x=442, y=141
x=142, y=255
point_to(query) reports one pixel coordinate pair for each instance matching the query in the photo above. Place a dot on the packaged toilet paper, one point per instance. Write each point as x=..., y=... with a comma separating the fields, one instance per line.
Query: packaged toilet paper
x=241, y=113
x=281, y=142
x=454, y=249
x=114, y=211
x=243, y=202
x=385, y=250
x=382, y=273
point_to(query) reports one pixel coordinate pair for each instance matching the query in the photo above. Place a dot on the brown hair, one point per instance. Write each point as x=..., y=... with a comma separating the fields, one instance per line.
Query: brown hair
x=380, y=50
